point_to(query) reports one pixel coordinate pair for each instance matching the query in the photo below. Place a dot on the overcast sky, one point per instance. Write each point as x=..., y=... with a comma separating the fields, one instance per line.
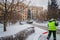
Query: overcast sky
x=43, y=3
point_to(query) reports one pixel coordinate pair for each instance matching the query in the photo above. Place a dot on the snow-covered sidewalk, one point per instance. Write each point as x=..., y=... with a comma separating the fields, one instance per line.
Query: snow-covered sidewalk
x=13, y=29
x=38, y=32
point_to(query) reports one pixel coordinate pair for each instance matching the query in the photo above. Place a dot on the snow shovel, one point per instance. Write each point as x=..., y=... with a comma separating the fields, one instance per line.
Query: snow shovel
x=43, y=36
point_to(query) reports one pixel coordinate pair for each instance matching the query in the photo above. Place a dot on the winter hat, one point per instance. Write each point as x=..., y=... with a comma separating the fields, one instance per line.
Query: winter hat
x=52, y=19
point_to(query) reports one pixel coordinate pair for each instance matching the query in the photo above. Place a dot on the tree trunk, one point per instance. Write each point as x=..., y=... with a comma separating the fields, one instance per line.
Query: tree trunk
x=5, y=15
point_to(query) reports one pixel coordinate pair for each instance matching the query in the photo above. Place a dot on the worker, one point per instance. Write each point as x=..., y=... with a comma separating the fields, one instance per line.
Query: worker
x=52, y=28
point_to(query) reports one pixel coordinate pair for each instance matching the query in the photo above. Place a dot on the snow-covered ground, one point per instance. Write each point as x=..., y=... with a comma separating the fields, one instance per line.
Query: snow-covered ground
x=13, y=29
x=38, y=33
x=44, y=24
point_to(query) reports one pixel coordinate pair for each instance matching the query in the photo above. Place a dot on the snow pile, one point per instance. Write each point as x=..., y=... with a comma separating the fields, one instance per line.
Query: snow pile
x=13, y=29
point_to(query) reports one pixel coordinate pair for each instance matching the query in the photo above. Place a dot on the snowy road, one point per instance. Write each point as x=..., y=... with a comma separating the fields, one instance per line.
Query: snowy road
x=44, y=26
x=39, y=29
x=38, y=32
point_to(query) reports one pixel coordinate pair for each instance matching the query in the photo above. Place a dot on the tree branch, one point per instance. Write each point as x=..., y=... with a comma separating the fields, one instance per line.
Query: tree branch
x=11, y=4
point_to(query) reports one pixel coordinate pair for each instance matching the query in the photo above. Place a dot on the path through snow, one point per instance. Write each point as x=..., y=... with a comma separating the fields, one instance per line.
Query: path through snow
x=38, y=32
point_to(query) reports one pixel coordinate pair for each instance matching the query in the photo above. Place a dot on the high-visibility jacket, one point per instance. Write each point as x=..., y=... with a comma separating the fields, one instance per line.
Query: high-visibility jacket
x=52, y=26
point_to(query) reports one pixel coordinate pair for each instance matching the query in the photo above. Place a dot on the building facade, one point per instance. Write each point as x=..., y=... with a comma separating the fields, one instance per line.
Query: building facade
x=35, y=11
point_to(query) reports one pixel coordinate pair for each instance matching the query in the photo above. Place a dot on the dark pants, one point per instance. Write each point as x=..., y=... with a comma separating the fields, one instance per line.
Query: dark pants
x=54, y=34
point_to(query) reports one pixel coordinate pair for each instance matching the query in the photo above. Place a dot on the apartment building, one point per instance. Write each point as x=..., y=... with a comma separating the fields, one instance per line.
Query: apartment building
x=35, y=10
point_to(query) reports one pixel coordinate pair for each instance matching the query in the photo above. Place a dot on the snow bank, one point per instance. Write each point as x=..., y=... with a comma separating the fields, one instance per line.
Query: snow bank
x=13, y=29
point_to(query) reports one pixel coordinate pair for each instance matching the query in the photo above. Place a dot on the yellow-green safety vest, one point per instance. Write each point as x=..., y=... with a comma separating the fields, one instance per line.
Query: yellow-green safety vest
x=52, y=26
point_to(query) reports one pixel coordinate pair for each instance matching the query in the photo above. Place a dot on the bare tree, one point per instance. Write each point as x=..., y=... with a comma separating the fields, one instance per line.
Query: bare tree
x=9, y=12
x=52, y=9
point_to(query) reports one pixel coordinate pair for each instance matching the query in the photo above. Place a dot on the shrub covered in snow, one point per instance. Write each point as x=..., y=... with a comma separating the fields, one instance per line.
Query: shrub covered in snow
x=22, y=35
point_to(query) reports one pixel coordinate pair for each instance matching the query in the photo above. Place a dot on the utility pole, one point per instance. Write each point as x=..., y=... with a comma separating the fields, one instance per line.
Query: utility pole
x=5, y=14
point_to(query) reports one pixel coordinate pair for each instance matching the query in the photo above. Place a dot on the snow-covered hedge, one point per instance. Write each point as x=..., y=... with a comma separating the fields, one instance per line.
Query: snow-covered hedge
x=22, y=35
x=7, y=38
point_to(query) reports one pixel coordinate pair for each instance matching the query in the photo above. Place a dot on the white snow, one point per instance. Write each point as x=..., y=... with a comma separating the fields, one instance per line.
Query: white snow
x=38, y=32
x=44, y=24
x=35, y=35
x=13, y=29
x=41, y=24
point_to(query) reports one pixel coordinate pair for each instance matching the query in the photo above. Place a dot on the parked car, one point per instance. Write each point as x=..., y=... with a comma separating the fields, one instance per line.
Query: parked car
x=30, y=21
